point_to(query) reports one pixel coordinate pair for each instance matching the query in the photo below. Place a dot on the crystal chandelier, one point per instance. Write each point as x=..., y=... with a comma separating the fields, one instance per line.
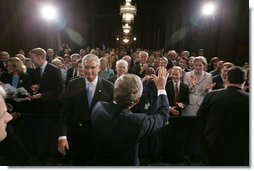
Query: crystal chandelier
x=126, y=40
x=128, y=11
x=126, y=28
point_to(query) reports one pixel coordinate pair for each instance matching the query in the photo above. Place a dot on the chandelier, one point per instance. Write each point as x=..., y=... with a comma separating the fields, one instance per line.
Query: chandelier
x=126, y=40
x=128, y=11
x=126, y=28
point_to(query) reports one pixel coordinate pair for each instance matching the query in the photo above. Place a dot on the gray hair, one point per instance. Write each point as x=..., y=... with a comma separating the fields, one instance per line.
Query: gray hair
x=128, y=89
x=143, y=52
x=75, y=55
x=122, y=61
x=2, y=92
x=91, y=57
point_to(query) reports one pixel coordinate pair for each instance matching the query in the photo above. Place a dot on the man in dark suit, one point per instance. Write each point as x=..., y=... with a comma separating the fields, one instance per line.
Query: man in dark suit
x=75, y=125
x=173, y=137
x=142, y=66
x=121, y=68
x=49, y=79
x=72, y=72
x=116, y=130
x=4, y=56
x=172, y=56
x=50, y=55
x=12, y=150
x=178, y=92
x=225, y=138
x=220, y=79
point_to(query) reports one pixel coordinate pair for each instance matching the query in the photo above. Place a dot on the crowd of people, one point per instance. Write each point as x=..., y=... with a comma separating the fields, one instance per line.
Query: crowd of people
x=109, y=102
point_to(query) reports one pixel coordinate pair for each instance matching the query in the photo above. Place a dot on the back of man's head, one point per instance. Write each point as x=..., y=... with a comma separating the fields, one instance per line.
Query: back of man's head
x=128, y=89
x=237, y=75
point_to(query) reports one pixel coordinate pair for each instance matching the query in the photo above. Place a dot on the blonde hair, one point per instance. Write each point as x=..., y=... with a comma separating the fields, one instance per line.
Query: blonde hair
x=201, y=59
x=39, y=52
x=57, y=62
x=17, y=64
x=177, y=68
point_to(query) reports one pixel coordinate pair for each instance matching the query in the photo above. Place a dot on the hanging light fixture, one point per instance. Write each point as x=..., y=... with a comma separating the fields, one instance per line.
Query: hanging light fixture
x=126, y=40
x=128, y=11
x=126, y=28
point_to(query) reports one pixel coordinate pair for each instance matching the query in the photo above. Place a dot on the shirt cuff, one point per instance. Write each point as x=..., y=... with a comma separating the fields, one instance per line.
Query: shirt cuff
x=62, y=138
x=161, y=91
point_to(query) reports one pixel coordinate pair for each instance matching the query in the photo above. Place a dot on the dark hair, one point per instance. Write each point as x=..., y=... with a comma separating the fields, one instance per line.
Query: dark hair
x=237, y=75
x=150, y=71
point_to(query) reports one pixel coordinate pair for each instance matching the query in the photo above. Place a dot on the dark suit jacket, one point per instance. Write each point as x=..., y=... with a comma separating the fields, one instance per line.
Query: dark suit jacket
x=136, y=70
x=2, y=67
x=226, y=132
x=170, y=64
x=117, y=132
x=51, y=88
x=69, y=75
x=113, y=79
x=24, y=80
x=12, y=150
x=219, y=82
x=183, y=95
x=76, y=114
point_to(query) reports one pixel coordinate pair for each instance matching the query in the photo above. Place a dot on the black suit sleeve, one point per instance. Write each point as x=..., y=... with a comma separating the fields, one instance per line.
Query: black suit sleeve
x=204, y=107
x=157, y=120
x=56, y=86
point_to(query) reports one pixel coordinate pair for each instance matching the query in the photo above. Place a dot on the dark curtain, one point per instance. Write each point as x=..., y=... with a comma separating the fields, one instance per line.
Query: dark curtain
x=169, y=24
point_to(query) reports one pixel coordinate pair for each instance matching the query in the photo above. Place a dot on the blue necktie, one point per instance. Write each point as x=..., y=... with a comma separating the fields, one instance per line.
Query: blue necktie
x=89, y=92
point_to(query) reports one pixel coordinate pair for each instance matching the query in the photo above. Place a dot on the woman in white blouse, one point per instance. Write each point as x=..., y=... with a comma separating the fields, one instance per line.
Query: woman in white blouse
x=200, y=83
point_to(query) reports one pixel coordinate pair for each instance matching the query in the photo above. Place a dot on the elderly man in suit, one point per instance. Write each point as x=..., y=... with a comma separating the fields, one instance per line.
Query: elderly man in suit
x=173, y=138
x=80, y=97
x=142, y=66
x=116, y=130
x=72, y=72
x=49, y=81
x=178, y=92
x=221, y=79
x=121, y=68
x=225, y=138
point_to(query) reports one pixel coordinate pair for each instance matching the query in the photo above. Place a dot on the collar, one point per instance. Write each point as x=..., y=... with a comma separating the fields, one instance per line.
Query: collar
x=201, y=76
x=43, y=66
x=94, y=82
x=178, y=82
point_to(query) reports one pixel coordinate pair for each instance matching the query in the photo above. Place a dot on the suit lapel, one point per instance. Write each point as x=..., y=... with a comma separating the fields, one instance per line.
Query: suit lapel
x=172, y=93
x=97, y=93
x=45, y=71
x=84, y=100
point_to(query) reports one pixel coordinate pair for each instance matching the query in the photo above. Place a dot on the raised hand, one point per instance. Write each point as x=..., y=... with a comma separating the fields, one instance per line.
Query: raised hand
x=193, y=80
x=161, y=80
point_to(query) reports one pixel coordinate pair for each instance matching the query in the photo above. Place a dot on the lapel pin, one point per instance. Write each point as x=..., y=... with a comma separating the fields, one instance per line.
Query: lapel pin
x=99, y=91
